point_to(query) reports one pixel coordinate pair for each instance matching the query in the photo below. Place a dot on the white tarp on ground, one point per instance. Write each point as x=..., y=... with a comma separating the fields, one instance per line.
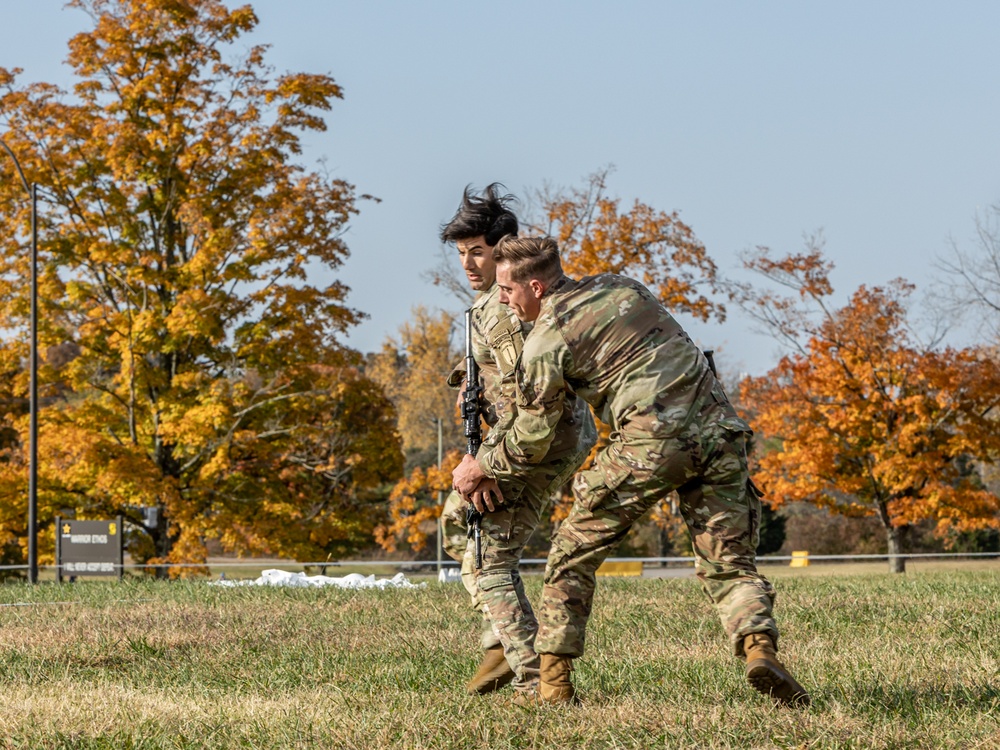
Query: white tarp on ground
x=352, y=581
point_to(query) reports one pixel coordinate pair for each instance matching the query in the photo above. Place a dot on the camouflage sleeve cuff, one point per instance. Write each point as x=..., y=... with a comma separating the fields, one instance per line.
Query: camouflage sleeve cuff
x=457, y=376
x=497, y=462
x=485, y=460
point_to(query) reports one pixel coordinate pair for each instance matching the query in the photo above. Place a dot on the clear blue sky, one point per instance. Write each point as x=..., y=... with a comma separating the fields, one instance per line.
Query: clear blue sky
x=760, y=122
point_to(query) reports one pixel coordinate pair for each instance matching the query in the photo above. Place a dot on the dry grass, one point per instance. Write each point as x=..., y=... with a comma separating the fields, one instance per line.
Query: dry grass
x=893, y=662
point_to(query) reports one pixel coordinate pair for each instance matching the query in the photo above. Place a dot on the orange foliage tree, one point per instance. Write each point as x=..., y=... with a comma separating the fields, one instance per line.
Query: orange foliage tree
x=413, y=372
x=180, y=249
x=596, y=236
x=414, y=507
x=863, y=419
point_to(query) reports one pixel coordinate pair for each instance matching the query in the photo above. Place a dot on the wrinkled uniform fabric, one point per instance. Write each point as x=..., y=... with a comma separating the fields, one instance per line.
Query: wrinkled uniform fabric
x=497, y=590
x=608, y=340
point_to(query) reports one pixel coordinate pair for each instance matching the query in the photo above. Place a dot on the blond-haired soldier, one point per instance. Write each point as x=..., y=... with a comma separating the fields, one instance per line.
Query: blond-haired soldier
x=608, y=340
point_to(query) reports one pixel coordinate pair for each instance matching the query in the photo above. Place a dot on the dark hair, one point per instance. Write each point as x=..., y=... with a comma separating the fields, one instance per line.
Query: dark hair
x=487, y=215
x=530, y=258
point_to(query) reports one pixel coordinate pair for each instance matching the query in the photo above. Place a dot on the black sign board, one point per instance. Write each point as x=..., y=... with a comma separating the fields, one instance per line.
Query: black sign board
x=89, y=548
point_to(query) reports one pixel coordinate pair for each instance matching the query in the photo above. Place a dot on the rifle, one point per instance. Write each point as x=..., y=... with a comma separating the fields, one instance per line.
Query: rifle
x=473, y=431
x=710, y=356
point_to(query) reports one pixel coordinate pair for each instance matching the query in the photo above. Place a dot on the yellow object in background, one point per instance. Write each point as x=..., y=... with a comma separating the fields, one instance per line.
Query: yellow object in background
x=620, y=569
x=799, y=560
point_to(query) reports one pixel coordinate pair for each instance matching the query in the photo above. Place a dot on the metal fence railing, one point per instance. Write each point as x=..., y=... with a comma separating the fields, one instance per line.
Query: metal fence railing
x=417, y=565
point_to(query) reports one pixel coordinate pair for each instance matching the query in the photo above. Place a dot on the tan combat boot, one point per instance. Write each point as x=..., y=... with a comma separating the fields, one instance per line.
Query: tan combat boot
x=768, y=675
x=494, y=672
x=554, y=685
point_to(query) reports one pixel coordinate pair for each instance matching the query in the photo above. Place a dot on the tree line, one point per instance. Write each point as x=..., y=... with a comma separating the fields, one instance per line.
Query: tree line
x=194, y=377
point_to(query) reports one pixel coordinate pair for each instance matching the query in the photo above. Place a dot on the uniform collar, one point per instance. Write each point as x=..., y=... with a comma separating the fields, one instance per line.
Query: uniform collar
x=562, y=284
x=485, y=296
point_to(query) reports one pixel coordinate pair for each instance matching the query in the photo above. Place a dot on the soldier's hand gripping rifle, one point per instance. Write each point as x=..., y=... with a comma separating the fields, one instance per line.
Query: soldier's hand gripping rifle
x=473, y=431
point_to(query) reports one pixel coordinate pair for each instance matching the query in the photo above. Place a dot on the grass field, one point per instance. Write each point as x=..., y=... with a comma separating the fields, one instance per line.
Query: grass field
x=907, y=661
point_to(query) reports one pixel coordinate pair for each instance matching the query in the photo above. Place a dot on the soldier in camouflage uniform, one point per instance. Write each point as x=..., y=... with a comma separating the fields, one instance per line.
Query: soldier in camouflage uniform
x=496, y=590
x=607, y=340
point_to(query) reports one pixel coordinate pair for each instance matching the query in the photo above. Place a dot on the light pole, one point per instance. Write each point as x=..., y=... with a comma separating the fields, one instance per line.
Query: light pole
x=32, y=191
x=440, y=534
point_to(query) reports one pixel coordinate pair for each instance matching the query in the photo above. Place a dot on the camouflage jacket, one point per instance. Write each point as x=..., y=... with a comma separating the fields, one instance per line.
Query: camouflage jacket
x=496, y=345
x=497, y=341
x=608, y=340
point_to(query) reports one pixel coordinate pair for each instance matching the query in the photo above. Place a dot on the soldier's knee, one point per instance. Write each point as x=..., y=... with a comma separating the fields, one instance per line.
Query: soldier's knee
x=495, y=580
x=498, y=589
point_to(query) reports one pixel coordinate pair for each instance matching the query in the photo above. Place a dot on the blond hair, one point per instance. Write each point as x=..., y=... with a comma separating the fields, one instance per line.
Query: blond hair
x=529, y=258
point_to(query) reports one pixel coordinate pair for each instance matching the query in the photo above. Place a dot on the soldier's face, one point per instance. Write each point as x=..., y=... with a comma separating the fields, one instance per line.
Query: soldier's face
x=477, y=260
x=524, y=298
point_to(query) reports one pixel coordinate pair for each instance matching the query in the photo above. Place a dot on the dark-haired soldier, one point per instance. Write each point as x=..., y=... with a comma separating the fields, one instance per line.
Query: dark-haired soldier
x=608, y=340
x=496, y=589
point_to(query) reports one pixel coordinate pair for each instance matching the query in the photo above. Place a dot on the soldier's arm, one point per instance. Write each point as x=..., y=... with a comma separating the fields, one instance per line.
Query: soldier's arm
x=541, y=398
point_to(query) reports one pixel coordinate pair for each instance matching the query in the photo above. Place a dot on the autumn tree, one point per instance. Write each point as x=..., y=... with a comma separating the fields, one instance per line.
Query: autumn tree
x=186, y=258
x=414, y=507
x=865, y=419
x=597, y=235
x=413, y=370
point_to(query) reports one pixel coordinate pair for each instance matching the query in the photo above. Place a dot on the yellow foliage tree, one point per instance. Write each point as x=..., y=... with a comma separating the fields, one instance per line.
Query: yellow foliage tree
x=414, y=506
x=180, y=250
x=413, y=372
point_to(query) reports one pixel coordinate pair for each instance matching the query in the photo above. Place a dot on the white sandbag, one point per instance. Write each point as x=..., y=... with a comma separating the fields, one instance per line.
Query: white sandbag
x=351, y=581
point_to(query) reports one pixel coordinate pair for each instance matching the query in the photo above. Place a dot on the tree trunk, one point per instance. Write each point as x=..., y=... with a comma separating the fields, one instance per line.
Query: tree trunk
x=163, y=457
x=894, y=535
x=163, y=541
x=666, y=548
x=897, y=563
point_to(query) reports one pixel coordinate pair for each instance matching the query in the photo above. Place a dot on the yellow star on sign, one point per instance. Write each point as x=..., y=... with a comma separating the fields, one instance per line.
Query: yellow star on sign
x=67, y=528
x=112, y=528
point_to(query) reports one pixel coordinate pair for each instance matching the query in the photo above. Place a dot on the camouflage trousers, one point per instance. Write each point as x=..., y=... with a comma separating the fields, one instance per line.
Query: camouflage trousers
x=707, y=466
x=455, y=540
x=497, y=590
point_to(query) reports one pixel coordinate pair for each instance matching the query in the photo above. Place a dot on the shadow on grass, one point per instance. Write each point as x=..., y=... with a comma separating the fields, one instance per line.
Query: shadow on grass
x=679, y=682
x=895, y=699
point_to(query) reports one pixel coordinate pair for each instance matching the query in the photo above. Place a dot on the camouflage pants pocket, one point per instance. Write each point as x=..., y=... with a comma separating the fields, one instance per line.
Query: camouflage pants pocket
x=496, y=526
x=592, y=487
x=455, y=532
x=500, y=589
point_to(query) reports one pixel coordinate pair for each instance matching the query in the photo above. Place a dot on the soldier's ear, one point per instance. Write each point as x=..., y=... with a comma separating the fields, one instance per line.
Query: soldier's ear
x=537, y=288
